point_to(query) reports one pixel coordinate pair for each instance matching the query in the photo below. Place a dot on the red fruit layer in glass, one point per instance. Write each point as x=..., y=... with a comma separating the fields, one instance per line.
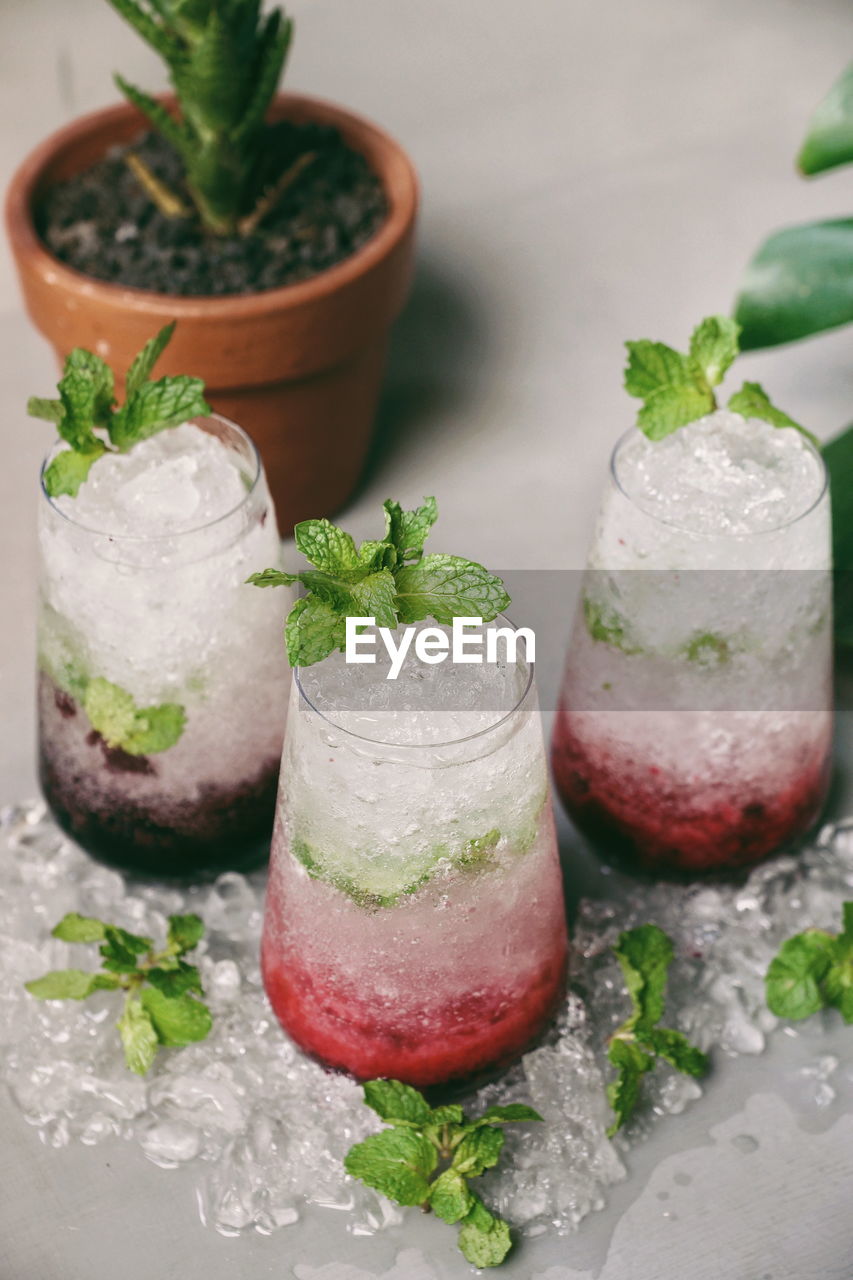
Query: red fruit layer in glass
x=647, y=822
x=337, y=1022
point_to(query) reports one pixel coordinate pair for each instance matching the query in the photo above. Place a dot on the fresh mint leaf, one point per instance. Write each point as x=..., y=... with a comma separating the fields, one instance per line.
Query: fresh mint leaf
x=672, y=407
x=155, y=729
x=479, y=1150
x=68, y=984
x=752, y=401
x=396, y=1162
x=631, y=1063
x=449, y=1196
x=272, y=578
x=76, y=928
x=178, y=1020
x=407, y=531
x=714, y=347
x=113, y=714
x=428, y=1158
x=87, y=392
x=838, y=983
x=326, y=546
x=313, y=630
x=512, y=1113
x=138, y=1037
x=155, y=407
x=143, y=363
x=792, y=983
x=653, y=366
x=484, y=1239
x=644, y=955
x=397, y=1103
x=65, y=473
x=175, y=982
x=446, y=587
x=185, y=932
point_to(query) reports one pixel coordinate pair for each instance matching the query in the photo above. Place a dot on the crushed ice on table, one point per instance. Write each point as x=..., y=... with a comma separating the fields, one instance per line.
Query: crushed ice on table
x=267, y=1128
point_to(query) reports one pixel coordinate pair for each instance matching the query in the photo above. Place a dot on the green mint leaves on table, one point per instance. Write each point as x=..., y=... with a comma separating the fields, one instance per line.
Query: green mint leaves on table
x=645, y=955
x=677, y=389
x=86, y=405
x=160, y=987
x=428, y=1156
x=389, y=579
x=140, y=731
x=813, y=970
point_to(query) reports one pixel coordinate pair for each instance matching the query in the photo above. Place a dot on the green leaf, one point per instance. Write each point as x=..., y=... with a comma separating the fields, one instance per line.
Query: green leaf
x=144, y=362
x=478, y=1151
x=450, y=1113
x=138, y=1037
x=644, y=955
x=163, y=121
x=408, y=530
x=69, y=984
x=155, y=729
x=87, y=390
x=512, y=1113
x=449, y=1196
x=185, y=932
x=76, y=928
x=326, y=546
x=111, y=711
x=395, y=1102
x=175, y=982
x=484, y=1239
x=847, y=918
x=653, y=366
x=155, y=406
x=800, y=282
x=120, y=950
x=677, y=1050
x=272, y=578
x=837, y=987
x=69, y=469
x=752, y=401
x=672, y=407
x=49, y=410
x=606, y=625
x=447, y=587
x=177, y=1020
x=792, y=983
x=631, y=1063
x=829, y=140
x=312, y=631
x=714, y=347
x=396, y=1162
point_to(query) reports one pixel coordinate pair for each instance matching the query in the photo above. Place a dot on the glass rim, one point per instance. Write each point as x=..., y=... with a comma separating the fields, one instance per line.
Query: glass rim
x=626, y=436
x=129, y=538
x=426, y=746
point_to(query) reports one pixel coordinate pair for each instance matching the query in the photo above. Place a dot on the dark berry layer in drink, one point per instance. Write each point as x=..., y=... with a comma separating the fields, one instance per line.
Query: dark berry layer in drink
x=647, y=818
x=142, y=813
x=457, y=1040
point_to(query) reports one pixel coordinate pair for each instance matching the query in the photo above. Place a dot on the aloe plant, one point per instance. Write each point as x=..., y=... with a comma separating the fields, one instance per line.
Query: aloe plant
x=225, y=60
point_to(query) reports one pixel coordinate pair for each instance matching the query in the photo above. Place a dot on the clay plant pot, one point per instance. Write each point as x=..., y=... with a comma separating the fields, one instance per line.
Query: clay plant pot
x=299, y=367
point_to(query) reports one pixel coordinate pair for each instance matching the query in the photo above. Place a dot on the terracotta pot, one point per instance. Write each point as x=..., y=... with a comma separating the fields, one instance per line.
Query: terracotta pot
x=299, y=367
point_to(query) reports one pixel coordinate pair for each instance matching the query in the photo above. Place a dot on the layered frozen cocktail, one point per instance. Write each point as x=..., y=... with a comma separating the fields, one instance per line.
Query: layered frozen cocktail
x=415, y=921
x=695, y=721
x=162, y=684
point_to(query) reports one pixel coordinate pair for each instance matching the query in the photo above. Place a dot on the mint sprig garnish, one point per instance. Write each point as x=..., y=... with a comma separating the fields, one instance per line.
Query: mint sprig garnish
x=676, y=388
x=645, y=954
x=160, y=987
x=140, y=731
x=813, y=970
x=428, y=1156
x=86, y=405
x=389, y=579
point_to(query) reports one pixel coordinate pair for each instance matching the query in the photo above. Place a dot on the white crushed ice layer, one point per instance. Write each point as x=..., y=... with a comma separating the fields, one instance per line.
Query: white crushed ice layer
x=267, y=1128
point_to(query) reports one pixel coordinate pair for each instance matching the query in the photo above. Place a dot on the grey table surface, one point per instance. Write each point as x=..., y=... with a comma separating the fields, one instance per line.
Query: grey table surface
x=592, y=170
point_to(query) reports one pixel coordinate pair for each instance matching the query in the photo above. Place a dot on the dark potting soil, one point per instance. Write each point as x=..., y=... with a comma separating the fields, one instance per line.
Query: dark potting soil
x=104, y=224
